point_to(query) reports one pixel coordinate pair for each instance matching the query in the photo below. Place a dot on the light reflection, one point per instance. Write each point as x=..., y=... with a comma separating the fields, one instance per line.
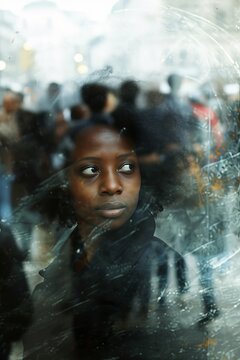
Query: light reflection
x=78, y=58
x=27, y=46
x=82, y=69
x=2, y=65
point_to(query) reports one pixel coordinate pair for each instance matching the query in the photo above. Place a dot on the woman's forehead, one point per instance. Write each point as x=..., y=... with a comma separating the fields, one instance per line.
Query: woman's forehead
x=101, y=138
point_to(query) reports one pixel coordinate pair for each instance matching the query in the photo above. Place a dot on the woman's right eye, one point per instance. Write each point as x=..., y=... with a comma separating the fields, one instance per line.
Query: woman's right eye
x=90, y=171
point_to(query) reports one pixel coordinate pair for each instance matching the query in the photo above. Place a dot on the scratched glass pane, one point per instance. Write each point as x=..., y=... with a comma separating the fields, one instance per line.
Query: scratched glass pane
x=120, y=259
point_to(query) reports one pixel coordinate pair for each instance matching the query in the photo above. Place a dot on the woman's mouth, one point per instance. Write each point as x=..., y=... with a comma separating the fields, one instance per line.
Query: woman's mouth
x=111, y=210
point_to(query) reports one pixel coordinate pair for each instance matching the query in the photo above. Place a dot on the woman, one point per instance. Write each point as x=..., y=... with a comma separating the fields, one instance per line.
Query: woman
x=89, y=289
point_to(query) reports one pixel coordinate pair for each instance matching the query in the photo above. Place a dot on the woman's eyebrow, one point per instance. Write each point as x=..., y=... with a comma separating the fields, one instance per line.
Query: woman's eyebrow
x=96, y=158
x=126, y=155
x=88, y=158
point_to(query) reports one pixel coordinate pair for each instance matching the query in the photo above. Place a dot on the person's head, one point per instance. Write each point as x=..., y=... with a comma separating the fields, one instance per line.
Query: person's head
x=128, y=92
x=78, y=112
x=104, y=177
x=175, y=82
x=53, y=90
x=10, y=102
x=61, y=127
x=98, y=97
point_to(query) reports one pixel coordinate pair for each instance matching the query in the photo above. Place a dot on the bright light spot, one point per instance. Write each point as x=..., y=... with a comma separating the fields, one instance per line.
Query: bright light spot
x=82, y=69
x=231, y=89
x=27, y=46
x=2, y=65
x=78, y=57
x=14, y=6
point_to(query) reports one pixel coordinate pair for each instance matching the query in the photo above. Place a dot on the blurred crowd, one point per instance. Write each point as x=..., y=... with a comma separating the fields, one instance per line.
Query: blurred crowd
x=200, y=128
x=34, y=144
x=178, y=137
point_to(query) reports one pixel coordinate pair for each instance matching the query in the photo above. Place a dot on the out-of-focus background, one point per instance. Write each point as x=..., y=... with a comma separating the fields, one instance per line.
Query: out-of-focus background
x=66, y=42
x=176, y=65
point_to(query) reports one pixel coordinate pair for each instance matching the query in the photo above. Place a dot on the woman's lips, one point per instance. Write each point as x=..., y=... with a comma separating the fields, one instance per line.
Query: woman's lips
x=111, y=214
x=111, y=210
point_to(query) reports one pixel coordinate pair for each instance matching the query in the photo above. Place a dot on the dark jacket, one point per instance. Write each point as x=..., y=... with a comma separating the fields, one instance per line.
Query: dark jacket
x=15, y=301
x=78, y=308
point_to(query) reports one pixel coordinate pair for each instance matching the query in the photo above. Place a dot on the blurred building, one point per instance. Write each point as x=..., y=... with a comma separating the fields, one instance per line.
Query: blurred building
x=11, y=42
x=60, y=39
x=51, y=42
x=45, y=29
x=198, y=39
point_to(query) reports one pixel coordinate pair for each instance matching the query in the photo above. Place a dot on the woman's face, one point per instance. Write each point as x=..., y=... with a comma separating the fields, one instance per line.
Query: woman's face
x=104, y=178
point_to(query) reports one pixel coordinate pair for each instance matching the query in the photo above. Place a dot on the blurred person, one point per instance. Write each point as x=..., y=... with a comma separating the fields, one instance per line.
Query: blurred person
x=99, y=98
x=35, y=138
x=9, y=133
x=174, y=81
x=53, y=92
x=204, y=235
x=8, y=126
x=180, y=112
x=16, y=306
x=61, y=127
x=214, y=96
x=20, y=97
x=179, y=173
x=187, y=218
x=51, y=99
x=23, y=129
x=233, y=130
x=19, y=136
x=167, y=131
x=167, y=126
x=127, y=107
x=50, y=103
x=105, y=261
x=128, y=93
x=61, y=146
x=154, y=98
x=199, y=224
x=31, y=164
x=78, y=112
x=210, y=128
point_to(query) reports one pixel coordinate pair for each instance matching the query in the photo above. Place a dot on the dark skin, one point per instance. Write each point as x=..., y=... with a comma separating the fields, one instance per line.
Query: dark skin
x=104, y=179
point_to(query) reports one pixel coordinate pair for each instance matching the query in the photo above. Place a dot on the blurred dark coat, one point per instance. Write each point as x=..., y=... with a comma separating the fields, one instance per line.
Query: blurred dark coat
x=15, y=301
x=77, y=311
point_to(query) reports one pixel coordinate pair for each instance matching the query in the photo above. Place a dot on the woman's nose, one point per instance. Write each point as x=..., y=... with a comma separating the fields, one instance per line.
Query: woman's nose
x=111, y=183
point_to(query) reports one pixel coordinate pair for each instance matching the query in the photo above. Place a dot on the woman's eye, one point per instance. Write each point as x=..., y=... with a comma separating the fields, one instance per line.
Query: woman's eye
x=90, y=171
x=126, y=168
